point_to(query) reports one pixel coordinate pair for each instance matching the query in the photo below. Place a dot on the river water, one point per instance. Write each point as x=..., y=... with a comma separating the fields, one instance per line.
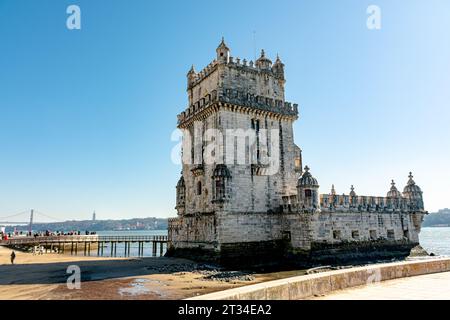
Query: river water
x=434, y=240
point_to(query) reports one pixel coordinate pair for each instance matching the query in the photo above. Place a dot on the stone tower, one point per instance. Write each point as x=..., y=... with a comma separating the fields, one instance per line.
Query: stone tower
x=243, y=197
x=238, y=150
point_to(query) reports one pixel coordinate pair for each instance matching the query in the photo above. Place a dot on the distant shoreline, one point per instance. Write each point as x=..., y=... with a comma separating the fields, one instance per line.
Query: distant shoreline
x=438, y=226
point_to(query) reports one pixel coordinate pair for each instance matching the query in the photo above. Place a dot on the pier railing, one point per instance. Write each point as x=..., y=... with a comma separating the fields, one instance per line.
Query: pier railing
x=81, y=238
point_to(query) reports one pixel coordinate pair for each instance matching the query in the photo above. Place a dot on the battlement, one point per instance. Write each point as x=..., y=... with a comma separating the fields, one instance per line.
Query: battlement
x=260, y=78
x=236, y=63
x=239, y=98
x=198, y=77
x=348, y=203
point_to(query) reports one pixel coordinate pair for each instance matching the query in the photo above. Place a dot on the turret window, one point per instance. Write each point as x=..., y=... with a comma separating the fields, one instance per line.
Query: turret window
x=199, y=188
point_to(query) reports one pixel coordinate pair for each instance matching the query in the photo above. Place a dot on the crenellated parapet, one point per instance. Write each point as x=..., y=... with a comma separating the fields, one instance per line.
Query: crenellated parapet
x=197, y=78
x=242, y=99
x=343, y=203
x=410, y=201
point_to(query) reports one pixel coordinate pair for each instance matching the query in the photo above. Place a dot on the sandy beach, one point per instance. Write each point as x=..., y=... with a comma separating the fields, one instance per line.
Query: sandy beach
x=44, y=277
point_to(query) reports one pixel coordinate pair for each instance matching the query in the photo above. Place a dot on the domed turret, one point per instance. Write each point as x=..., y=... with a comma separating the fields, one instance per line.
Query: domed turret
x=411, y=186
x=278, y=68
x=307, y=180
x=413, y=194
x=394, y=197
x=394, y=193
x=308, y=191
x=263, y=62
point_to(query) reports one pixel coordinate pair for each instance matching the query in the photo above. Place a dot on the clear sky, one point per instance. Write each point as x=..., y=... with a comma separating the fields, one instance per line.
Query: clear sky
x=86, y=116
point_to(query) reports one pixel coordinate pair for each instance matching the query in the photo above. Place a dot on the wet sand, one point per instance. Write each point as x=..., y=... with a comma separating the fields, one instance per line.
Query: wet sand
x=44, y=277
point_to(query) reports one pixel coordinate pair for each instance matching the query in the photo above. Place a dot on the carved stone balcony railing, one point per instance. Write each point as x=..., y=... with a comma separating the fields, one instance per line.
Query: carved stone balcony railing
x=198, y=170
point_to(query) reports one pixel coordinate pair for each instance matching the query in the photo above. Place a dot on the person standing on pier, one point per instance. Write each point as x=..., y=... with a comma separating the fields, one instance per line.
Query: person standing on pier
x=13, y=257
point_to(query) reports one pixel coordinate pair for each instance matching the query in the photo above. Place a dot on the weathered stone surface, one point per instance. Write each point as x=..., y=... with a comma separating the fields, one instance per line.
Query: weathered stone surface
x=232, y=207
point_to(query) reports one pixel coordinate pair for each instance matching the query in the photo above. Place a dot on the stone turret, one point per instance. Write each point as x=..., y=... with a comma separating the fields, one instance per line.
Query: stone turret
x=394, y=197
x=223, y=52
x=191, y=76
x=263, y=62
x=181, y=196
x=278, y=68
x=413, y=194
x=307, y=191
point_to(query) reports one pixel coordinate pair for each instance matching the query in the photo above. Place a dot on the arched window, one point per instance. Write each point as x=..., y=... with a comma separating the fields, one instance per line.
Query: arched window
x=199, y=188
x=221, y=179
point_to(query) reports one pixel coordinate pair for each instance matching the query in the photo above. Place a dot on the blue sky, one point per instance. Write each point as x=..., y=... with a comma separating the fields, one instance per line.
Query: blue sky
x=86, y=116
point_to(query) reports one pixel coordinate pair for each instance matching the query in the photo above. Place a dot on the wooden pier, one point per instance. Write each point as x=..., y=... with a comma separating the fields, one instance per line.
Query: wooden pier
x=146, y=245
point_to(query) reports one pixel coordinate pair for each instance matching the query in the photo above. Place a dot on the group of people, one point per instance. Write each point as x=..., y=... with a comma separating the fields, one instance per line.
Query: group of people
x=47, y=233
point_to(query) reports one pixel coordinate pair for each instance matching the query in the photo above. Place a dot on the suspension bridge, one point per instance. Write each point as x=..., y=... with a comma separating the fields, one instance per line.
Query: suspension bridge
x=27, y=217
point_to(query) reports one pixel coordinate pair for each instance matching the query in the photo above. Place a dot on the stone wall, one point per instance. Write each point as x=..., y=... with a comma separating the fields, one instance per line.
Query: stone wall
x=303, y=287
x=300, y=239
x=194, y=231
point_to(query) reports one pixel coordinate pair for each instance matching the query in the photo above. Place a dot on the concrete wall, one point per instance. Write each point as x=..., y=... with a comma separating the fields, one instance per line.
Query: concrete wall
x=303, y=287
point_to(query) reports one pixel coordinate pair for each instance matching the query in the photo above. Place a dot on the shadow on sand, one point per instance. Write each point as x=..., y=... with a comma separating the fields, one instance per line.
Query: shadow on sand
x=56, y=273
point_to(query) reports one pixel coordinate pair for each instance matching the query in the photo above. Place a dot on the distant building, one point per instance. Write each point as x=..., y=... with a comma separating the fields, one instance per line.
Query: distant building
x=94, y=217
x=268, y=208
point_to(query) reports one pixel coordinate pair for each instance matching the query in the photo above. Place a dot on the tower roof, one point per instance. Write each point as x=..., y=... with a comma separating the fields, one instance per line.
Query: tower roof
x=278, y=60
x=192, y=70
x=263, y=60
x=223, y=45
x=411, y=186
x=394, y=193
x=307, y=180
